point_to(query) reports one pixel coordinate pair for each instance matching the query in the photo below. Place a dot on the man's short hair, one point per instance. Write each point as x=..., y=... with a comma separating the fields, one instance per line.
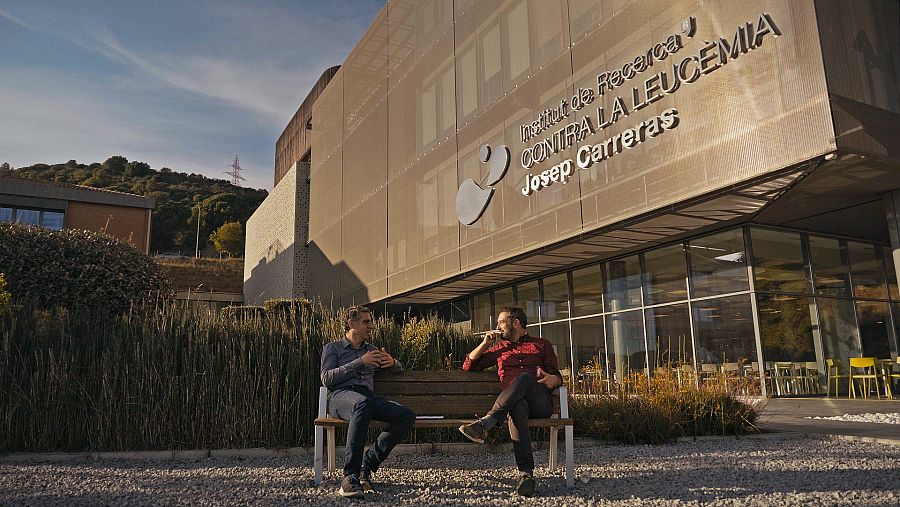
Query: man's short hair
x=515, y=313
x=353, y=314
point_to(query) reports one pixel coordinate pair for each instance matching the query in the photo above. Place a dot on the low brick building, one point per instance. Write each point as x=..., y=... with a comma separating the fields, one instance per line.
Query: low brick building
x=64, y=206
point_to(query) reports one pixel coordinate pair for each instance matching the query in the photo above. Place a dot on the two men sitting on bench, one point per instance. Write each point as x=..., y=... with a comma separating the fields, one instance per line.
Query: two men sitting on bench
x=527, y=367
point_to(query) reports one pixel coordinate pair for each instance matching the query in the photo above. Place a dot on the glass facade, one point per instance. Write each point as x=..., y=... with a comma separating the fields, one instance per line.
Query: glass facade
x=689, y=307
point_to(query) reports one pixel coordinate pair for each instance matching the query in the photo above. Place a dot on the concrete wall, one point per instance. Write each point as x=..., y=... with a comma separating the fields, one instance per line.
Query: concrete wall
x=131, y=225
x=275, y=251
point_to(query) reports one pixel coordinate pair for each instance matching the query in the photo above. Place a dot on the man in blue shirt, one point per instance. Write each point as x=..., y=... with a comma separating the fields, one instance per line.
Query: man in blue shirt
x=348, y=371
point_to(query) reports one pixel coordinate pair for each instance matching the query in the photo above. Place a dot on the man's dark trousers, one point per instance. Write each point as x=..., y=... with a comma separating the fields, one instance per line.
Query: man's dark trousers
x=358, y=405
x=525, y=398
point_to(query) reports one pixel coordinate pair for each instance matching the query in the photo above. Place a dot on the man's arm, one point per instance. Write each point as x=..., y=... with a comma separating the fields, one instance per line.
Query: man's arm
x=483, y=356
x=552, y=376
x=333, y=374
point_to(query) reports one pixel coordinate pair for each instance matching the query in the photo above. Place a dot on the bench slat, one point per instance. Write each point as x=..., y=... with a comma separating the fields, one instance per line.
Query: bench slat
x=445, y=423
x=437, y=376
x=447, y=404
x=389, y=389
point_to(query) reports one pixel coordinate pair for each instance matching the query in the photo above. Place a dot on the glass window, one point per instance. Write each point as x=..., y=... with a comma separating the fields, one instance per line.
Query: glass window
x=778, y=263
x=584, y=16
x=53, y=220
x=448, y=102
x=829, y=264
x=873, y=328
x=528, y=298
x=548, y=33
x=589, y=348
x=625, y=343
x=517, y=34
x=786, y=327
x=840, y=336
x=28, y=216
x=467, y=74
x=482, y=313
x=669, y=343
x=891, y=273
x=427, y=116
x=867, y=271
x=6, y=214
x=587, y=291
x=489, y=43
x=896, y=307
x=725, y=330
x=460, y=315
x=718, y=264
x=555, y=303
x=558, y=334
x=503, y=297
x=665, y=273
x=623, y=284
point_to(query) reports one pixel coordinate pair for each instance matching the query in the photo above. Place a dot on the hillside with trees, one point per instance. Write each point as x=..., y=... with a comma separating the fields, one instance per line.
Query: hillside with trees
x=177, y=196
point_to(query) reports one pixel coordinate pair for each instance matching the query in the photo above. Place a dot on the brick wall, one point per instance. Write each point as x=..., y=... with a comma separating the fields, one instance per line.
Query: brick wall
x=131, y=225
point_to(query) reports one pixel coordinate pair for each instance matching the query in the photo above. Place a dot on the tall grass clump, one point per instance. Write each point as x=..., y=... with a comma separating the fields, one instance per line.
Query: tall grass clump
x=660, y=409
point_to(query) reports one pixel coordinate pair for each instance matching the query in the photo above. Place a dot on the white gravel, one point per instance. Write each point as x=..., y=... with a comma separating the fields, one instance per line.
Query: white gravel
x=869, y=418
x=779, y=470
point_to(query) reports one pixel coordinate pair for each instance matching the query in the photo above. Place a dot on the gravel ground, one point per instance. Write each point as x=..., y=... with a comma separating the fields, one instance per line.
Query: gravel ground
x=780, y=470
x=871, y=418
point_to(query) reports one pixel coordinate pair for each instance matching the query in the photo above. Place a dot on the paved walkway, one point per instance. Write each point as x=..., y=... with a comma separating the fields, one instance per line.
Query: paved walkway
x=791, y=415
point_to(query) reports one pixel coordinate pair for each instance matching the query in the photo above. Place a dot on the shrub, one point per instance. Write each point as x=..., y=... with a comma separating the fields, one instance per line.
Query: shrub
x=286, y=307
x=76, y=268
x=5, y=296
x=243, y=313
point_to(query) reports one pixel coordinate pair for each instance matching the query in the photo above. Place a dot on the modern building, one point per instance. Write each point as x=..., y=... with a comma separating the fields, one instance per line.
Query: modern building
x=707, y=186
x=57, y=206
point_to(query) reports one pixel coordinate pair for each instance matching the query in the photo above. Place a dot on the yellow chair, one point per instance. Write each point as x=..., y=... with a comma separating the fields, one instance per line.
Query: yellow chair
x=867, y=365
x=833, y=372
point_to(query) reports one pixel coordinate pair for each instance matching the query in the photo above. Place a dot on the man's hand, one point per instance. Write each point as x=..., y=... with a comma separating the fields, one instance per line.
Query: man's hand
x=489, y=340
x=387, y=360
x=373, y=358
x=551, y=381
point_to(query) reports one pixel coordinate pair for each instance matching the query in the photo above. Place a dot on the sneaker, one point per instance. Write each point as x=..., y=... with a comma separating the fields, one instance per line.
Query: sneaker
x=365, y=480
x=350, y=487
x=474, y=431
x=525, y=487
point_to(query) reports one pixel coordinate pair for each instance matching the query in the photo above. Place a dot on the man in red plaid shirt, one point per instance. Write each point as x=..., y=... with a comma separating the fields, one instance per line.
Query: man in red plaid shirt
x=528, y=371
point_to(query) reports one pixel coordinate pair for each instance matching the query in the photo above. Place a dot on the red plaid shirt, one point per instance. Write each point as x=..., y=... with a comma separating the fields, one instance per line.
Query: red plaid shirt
x=513, y=358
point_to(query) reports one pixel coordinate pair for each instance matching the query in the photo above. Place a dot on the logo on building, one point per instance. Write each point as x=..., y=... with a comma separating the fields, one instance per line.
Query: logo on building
x=471, y=198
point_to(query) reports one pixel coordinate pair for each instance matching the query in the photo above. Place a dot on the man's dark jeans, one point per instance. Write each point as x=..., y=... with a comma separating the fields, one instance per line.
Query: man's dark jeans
x=525, y=398
x=359, y=405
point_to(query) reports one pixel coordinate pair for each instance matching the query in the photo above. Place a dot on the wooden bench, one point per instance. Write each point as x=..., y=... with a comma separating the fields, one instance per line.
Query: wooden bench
x=455, y=395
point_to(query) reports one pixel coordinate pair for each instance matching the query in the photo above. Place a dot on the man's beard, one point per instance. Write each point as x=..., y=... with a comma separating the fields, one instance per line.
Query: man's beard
x=508, y=334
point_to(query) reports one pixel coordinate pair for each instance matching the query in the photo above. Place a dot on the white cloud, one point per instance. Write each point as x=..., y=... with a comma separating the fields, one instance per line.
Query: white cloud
x=4, y=14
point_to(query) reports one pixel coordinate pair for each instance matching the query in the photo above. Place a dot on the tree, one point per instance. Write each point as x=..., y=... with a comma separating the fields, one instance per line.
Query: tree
x=229, y=238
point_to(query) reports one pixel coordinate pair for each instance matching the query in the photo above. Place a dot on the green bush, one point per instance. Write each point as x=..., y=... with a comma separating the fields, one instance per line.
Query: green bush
x=76, y=268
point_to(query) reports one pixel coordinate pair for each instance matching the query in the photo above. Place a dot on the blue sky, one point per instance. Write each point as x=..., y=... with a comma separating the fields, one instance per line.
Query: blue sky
x=180, y=84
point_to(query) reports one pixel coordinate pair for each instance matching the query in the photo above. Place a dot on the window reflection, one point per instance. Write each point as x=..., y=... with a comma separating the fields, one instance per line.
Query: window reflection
x=778, y=263
x=725, y=330
x=503, y=297
x=891, y=274
x=587, y=291
x=867, y=270
x=669, y=336
x=665, y=274
x=555, y=303
x=6, y=214
x=718, y=264
x=28, y=216
x=840, y=336
x=873, y=328
x=623, y=284
x=558, y=334
x=829, y=264
x=786, y=328
x=625, y=342
x=589, y=348
x=482, y=313
x=53, y=220
x=529, y=298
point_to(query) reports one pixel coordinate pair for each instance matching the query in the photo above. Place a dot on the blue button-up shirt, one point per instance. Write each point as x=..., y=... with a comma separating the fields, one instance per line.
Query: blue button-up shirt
x=343, y=367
